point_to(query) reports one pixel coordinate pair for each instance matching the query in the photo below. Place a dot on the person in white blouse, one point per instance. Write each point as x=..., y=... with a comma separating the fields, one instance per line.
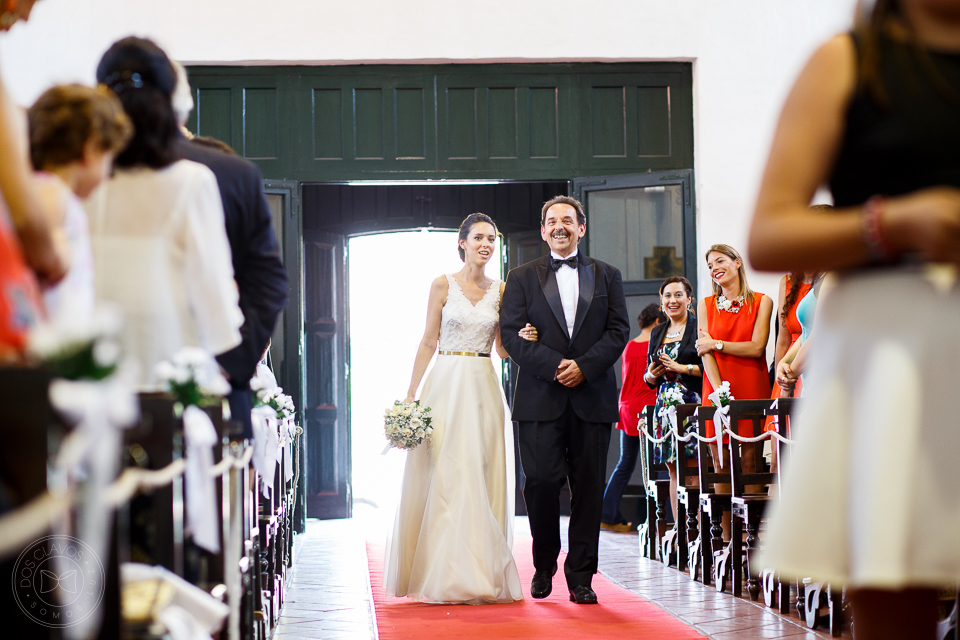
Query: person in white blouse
x=160, y=246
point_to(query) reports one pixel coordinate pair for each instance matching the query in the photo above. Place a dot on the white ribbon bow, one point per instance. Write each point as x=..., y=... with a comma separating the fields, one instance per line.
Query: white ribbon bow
x=670, y=412
x=90, y=457
x=722, y=416
x=202, y=510
x=266, y=442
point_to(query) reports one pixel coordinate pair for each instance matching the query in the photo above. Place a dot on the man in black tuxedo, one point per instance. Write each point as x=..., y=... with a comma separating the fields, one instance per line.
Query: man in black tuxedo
x=257, y=267
x=566, y=397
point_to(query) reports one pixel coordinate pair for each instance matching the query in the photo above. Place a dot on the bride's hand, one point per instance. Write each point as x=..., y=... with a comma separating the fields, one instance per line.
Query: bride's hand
x=528, y=333
x=409, y=400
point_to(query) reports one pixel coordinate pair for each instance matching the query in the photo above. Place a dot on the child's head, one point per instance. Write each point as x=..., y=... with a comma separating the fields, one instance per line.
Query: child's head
x=79, y=126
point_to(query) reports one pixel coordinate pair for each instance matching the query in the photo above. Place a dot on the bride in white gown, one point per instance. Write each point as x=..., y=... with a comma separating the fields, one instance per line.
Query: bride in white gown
x=452, y=540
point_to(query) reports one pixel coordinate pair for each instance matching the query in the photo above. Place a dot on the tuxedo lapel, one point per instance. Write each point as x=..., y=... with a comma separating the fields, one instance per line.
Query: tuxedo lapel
x=548, y=282
x=587, y=274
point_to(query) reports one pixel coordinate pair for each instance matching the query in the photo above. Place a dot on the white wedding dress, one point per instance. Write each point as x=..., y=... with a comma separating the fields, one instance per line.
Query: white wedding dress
x=453, y=536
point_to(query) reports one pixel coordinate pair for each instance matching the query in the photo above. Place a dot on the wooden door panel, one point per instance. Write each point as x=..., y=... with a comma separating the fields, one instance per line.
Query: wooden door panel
x=326, y=428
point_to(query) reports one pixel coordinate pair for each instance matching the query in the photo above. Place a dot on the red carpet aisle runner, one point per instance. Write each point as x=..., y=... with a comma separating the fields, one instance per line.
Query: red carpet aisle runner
x=620, y=614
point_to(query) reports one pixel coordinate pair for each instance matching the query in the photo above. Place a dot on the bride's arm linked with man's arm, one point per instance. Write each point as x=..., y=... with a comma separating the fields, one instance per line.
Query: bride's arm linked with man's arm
x=544, y=362
x=431, y=336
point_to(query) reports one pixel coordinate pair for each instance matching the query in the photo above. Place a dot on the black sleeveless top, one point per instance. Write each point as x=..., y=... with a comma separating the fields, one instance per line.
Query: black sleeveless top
x=910, y=143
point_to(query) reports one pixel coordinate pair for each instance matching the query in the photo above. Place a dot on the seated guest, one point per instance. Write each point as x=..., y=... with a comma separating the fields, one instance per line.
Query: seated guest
x=75, y=132
x=634, y=397
x=734, y=327
x=674, y=369
x=160, y=247
x=260, y=275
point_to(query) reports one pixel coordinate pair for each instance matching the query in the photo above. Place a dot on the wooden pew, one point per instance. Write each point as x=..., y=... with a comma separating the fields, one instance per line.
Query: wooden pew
x=776, y=592
x=27, y=427
x=688, y=497
x=156, y=519
x=658, y=492
x=747, y=508
x=712, y=504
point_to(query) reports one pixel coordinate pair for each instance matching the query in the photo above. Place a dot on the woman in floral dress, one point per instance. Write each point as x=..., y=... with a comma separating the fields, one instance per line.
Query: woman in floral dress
x=674, y=369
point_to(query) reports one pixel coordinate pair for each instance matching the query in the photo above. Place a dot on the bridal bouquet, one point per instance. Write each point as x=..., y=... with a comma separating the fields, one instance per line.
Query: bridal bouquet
x=407, y=425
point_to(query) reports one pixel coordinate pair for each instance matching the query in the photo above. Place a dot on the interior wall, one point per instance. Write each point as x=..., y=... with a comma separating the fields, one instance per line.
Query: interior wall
x=746, y=54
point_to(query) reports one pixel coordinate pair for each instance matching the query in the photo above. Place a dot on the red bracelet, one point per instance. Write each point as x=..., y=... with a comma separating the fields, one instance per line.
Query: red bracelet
x=871, y=231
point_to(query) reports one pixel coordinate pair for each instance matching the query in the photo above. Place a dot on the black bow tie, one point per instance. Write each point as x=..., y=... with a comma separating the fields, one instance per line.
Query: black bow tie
x=570, y=262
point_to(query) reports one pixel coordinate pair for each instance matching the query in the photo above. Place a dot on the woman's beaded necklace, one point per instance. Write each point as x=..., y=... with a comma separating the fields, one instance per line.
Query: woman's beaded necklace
x=730, y=306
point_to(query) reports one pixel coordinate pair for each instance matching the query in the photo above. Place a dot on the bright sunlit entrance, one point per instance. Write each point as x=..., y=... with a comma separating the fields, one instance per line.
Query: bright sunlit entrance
x=390, y=276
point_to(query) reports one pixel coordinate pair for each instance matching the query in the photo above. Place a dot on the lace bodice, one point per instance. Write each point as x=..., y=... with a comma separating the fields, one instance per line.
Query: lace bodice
x=465, y=327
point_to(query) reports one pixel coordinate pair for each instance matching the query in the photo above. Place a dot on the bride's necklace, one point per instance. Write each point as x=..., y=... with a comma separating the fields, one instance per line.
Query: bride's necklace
x=730, y=306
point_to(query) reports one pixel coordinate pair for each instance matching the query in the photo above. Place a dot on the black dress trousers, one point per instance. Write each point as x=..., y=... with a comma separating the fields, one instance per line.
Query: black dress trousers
x=550, y=452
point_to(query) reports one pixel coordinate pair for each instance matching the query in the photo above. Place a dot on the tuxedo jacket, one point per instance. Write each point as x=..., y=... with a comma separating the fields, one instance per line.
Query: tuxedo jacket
x=600, y=333
x=257, y=267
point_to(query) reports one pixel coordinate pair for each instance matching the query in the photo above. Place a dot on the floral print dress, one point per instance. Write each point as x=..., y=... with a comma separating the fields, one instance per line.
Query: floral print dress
x=664, y=452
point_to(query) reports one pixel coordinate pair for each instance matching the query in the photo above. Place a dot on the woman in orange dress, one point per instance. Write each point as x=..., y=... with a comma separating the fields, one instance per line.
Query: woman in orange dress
x=734, y=327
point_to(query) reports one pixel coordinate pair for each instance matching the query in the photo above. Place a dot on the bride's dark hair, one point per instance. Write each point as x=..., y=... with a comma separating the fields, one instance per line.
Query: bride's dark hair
x=467, y=224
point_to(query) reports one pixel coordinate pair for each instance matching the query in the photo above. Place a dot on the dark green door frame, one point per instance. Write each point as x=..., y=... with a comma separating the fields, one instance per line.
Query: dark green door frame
x=518, y=122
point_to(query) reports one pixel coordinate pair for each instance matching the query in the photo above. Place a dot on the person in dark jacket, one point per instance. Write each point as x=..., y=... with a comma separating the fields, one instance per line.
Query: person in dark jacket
x=258, y=269
x=566, y=397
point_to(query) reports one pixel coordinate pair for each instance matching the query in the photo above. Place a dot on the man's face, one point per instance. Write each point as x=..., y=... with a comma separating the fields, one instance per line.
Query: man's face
x=561, y=230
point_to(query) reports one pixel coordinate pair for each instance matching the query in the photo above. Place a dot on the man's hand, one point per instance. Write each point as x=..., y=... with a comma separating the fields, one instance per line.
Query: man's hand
x=569, y=374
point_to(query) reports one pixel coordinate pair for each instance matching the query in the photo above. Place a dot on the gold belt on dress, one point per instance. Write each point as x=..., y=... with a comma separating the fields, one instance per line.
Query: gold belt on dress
x=465, y=353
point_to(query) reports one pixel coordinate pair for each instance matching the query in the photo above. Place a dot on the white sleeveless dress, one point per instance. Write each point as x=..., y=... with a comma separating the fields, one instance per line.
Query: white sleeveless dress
x=453, y=536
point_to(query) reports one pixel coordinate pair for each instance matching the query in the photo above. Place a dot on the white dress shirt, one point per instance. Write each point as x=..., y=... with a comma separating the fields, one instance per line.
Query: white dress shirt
x=568, y=281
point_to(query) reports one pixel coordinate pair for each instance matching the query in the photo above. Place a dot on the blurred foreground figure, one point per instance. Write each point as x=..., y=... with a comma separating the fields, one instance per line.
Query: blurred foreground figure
x=871, y=497
x=258, y=270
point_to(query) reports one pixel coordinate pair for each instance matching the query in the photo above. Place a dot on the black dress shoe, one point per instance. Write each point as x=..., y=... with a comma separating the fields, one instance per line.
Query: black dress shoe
x=582, y=594
x=542, y=583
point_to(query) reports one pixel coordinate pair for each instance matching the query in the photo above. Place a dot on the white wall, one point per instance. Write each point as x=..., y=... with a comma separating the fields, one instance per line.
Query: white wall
x=746, y=54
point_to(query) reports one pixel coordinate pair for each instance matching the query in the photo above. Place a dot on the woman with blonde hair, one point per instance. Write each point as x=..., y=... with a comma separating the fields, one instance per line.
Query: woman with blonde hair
x=734, y=327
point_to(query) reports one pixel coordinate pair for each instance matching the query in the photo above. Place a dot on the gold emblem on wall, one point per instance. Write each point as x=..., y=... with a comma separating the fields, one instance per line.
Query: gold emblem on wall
x=662, y=264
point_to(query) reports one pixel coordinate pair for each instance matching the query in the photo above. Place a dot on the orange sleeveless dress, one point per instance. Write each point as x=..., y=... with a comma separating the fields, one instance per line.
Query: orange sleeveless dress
x=748, y=377
x=792, y=324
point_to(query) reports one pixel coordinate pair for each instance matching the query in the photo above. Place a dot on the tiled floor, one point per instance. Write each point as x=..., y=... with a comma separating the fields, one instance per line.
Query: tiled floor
x=719, y=616
x=329, y=592
x=328, y=595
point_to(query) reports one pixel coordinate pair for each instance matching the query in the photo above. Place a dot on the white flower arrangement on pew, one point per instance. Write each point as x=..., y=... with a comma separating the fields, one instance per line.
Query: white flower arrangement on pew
x=406, y=426
x=672, y=397
x=722, y=396
x=84, y=349
x=193, y=377
x=277, y=400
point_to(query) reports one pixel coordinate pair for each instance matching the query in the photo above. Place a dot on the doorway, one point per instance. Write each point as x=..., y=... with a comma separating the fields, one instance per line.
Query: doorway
x=390, y=276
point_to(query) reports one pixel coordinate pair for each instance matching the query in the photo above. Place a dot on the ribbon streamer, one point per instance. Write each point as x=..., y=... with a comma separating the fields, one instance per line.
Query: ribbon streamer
x=90, y=461
x=266, y=441
x=202, y=510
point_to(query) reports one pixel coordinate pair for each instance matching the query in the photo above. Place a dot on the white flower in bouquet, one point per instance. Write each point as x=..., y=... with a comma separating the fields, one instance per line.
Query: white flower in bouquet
x=406, y=426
